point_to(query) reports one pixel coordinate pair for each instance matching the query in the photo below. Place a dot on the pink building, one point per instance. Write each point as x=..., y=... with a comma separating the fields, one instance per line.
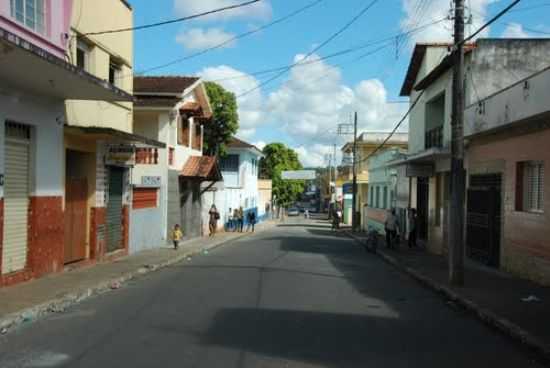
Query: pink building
x=35, y=80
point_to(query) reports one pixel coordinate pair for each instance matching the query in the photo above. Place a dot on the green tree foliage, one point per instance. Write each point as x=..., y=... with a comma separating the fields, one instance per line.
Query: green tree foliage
x=278, y=158
x=225, y=119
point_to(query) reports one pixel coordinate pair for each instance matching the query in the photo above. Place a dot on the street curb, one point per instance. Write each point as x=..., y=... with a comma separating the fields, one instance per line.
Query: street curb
x=58, y=305
x=486, y=316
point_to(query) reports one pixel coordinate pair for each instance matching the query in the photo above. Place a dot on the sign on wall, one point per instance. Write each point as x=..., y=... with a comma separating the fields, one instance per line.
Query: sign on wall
x=298, y=175
x=120, y=155
x=150, y=181
x=419, y=170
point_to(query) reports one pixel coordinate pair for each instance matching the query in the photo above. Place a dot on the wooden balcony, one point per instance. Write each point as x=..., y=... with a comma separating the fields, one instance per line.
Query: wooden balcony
x=147, y=156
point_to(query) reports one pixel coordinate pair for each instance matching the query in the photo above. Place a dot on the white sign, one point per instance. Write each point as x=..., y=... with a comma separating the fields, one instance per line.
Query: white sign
x=298, y=175
x=150, y=181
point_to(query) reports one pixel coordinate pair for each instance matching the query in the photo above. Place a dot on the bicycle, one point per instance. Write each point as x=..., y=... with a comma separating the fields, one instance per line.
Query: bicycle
x=371, y=243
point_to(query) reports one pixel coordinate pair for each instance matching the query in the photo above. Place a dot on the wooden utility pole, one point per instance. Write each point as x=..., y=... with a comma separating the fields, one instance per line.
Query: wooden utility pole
x=354, y=185
x=458, y=175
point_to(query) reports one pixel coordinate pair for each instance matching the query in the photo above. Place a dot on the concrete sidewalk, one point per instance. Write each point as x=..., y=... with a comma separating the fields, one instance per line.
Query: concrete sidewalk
x=52, y=294
x=494, y=297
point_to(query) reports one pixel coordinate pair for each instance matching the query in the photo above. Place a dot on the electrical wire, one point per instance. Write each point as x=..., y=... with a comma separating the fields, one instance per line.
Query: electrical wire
x=315, y=49
x=178, y=20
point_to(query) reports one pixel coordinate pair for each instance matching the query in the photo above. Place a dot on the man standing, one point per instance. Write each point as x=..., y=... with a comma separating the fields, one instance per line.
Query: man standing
x=240, y=220
x=251, y=217
x=390, y=226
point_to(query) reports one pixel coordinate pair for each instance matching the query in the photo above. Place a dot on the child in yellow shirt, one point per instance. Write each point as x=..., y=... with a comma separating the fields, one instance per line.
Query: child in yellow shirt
x=177, y=234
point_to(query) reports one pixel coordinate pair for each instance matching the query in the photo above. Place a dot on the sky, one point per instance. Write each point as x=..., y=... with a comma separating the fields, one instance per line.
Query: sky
x=303, y=106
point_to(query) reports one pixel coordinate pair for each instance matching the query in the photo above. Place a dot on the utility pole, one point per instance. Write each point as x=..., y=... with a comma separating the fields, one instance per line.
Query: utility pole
x=354, y=185
x=458, y=176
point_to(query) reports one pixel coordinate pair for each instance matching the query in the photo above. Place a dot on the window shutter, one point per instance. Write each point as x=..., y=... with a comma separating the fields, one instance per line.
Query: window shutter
x=145, y=198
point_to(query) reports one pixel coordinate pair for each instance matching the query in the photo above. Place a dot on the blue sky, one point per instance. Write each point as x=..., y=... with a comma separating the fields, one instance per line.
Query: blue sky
x=303, y=107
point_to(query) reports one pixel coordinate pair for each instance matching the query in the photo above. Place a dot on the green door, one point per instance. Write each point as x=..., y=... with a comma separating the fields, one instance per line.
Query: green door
x=114, y=209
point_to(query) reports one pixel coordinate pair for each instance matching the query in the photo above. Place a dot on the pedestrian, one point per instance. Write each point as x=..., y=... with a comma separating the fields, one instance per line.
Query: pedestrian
x=306, y=213
x=229, y=220
x=335, y=219
x=214, y=217
x=235, y=219
x=240, y=217
x=390, y=226
x=412, y=228
x=251, y=217
x=177, y=234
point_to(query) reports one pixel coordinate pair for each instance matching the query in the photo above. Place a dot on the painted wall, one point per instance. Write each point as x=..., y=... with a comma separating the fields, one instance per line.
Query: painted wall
x=89, y=16
x=57, y=19
x=525, y=241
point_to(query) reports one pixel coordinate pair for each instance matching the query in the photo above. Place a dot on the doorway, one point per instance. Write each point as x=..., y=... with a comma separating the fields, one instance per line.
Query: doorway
x=114, y=209
x=422, y=198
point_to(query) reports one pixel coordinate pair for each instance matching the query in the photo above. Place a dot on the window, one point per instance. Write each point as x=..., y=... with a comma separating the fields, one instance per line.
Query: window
x=114, y=72
x=171, y=156
x=530, y=186
x=230, y=163
x=29, y=13
x=145, y=198
x=82, y=55
x=385, y=203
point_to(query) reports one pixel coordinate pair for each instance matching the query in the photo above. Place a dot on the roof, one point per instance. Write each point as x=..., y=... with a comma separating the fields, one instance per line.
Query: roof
x=238, y=143
x=376, y=138
x=163, y=84
x=440, y=69
x=414, y=66
x=156, y=101
x=202, y=168
x=104, y=132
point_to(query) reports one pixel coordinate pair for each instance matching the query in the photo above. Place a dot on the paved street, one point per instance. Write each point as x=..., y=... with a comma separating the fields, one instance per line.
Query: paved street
x=297, y=295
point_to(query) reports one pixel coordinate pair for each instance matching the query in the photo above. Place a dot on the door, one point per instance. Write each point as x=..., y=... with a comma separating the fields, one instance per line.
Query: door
x=76, y=192
x=191, y=208
x=422, y=198
x=483, y=219
x=114, y=209
x=16, y=197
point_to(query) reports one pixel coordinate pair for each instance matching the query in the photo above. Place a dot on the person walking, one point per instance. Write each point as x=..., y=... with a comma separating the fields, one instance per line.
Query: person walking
x=335, y=219
x=390, y=226
x=235, y=219
x=251, y=217
x=229, y=220
x=213, y=222
x=240, y=219
x=177, y=234
x=412, y=228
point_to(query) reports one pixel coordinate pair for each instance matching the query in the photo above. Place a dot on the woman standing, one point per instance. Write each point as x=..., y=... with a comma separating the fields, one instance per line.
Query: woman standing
x=214, y=217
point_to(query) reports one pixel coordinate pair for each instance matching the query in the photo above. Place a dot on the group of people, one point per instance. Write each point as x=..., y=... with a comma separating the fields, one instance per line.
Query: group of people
x=391, y=227
x=235, y=222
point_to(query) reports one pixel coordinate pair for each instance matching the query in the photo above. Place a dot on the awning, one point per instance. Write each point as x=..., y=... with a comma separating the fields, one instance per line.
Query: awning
x=194, y=109
x=110, y=134
x=30, y=68
x=203, y=168
x=428, y=156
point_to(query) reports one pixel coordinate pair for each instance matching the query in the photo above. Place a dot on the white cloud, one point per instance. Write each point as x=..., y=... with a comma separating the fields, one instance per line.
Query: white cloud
x=260, y=144
x=515, y=30
x=198, y=38
x=250, y=105
x=259, y=10
x=313, y=155
x=418, y=14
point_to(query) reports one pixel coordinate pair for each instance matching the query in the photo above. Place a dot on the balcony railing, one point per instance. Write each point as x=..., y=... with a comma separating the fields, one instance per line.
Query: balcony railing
x=147, y=156
x=434, y=137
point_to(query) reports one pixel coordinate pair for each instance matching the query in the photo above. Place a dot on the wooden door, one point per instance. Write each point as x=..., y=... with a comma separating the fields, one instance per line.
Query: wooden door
x=76, y=192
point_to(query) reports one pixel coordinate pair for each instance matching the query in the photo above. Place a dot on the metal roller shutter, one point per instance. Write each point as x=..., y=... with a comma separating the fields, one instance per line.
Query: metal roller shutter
x=144, y=198
x=114, y=209
x=16, y=201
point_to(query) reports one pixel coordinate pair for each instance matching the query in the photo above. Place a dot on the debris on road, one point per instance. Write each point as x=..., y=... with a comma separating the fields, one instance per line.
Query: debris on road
x=115, y=285
x=530, y=298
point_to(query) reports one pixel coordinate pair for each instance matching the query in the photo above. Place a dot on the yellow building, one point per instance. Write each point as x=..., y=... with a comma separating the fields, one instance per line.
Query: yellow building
x=367, y=143
x=99, y=145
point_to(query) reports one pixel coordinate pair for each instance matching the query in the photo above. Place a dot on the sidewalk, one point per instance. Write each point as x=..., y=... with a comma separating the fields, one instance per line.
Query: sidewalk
x=52, y=294
x=493, y=296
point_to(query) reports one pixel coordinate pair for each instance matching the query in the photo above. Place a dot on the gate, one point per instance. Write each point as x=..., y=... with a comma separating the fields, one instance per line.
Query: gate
x=483, y=219
x=114, y=209
x=422, y=198
x=76, y=192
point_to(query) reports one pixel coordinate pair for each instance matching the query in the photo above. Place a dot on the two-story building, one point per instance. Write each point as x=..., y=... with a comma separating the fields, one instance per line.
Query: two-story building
x=240, y=170
x=507, y=135
x=367, y=143
x=169, y=184
x=35, y=82
x=490, y=65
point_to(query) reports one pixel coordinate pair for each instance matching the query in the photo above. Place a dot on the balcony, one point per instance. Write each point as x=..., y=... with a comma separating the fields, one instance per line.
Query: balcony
x=147, y=156
x=434, y=137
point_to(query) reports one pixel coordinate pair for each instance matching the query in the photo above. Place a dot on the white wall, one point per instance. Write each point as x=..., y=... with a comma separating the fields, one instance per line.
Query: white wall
x=47, y=156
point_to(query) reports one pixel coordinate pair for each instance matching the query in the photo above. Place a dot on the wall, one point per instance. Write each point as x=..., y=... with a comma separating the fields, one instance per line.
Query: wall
x=57, y=13
x=525, y=244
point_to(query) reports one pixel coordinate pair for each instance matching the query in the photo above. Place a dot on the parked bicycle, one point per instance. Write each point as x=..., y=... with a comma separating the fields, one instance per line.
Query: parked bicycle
x=371, y=243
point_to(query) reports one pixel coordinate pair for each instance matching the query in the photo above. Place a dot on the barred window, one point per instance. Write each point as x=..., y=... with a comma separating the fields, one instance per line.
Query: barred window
x=530, y=186
x=230, y=163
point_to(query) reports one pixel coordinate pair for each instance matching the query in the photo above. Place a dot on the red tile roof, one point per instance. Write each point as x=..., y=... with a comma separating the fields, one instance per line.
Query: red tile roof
x=237, y=143
x=163, y=84
x=156, y=101
x=201, y=167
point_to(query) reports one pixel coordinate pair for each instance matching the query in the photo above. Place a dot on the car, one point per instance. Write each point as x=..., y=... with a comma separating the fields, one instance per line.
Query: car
x=293, y=211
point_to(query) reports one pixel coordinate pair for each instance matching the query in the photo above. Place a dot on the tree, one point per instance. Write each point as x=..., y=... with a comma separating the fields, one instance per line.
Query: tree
x=278, y=158
x=225, y=119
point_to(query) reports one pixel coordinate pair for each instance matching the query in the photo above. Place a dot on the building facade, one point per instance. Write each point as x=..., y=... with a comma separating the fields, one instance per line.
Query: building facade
x=35, y=81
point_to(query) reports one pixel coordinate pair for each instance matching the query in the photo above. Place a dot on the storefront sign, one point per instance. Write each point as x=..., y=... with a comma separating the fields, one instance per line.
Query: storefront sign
x=420, y=170
x=298, y=175
x=120, y=155
x=150, y=181
x=347, y=188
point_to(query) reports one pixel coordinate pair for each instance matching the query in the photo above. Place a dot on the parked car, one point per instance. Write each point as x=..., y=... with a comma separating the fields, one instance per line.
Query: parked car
x=293, y=211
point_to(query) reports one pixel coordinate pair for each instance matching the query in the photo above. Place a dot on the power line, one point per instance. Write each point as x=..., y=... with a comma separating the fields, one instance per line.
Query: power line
x=232, y=39
x=315, y=49
x=158, y=24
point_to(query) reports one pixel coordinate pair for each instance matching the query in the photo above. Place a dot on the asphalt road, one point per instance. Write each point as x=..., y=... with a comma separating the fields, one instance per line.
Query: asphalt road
x=298, y=295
